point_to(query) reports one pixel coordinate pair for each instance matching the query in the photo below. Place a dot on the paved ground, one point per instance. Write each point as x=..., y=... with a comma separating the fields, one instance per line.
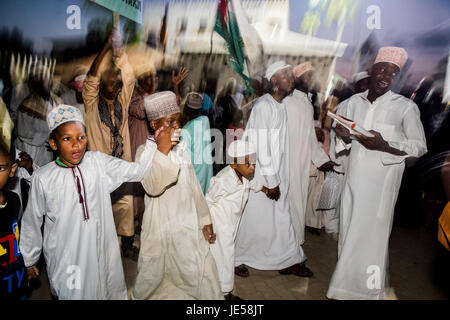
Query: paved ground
x=413, y=254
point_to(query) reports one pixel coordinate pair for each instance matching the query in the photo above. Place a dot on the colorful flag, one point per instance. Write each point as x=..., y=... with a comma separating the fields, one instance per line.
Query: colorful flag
x=243, y=42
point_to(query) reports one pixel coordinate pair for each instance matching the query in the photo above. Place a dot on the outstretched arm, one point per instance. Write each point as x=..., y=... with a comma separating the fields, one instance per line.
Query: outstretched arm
x=176, y=80
x=162, y=174
x=93, y=71
x=118, y=171
x=91, y=84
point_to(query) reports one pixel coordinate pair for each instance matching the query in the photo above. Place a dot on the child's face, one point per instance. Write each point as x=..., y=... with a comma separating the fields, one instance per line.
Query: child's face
x=7, y=169
x=172, y=121
x=246, y=168
x=70, y=142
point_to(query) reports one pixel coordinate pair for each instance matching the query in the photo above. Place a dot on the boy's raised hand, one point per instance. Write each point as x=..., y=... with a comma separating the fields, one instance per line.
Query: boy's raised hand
x=208, y=233
x=180, y=76
x=163, y=137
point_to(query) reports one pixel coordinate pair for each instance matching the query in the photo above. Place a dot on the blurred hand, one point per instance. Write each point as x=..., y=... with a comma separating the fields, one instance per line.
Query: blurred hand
x=328, y=166
x=373, y=143
x=319, y=134
x=177, y=78
x=343, y=133
x=265, y=190
x=33, y=273
x=274, y=194
x=163, y=137
x=25, y=160
x=209, y=234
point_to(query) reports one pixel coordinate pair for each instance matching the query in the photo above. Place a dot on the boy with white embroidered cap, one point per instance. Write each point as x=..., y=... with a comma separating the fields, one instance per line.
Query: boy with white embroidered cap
x=73, y=195
x=174, y=259
x=373, y=176
x=226, y=197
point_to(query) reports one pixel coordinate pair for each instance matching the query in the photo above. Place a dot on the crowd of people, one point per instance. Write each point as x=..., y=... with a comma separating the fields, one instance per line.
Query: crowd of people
x=83, y=172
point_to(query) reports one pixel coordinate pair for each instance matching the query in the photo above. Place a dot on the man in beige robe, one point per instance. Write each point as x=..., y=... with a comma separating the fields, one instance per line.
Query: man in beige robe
x=107, y=98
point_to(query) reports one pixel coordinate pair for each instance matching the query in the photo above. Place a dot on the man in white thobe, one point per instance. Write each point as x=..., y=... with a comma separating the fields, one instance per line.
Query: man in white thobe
x=373, y=177
x=303, y=147
x=266, y=239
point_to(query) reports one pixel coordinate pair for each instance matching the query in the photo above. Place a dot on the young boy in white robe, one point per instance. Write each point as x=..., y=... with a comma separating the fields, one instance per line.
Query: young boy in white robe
x=174, y=259
x=73, y=195
x=226, y=197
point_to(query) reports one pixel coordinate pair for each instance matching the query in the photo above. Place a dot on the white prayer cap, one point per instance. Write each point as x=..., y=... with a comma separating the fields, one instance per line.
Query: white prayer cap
x=274, y=68
x=395, y=55
x=359, y=76
x=62, y=114
x=194, y=100
x=240, y=148
x=161, y=104
x=81, y=77
x=302, y=68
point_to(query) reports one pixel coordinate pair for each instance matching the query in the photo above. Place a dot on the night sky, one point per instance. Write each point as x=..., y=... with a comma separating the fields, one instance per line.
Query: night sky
x=421, y=27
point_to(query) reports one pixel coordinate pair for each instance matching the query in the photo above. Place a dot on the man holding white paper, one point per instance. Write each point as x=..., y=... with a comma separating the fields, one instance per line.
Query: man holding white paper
x=373, y=177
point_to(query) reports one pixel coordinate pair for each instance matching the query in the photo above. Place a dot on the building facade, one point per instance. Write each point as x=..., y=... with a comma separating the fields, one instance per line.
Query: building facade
x=190, y=38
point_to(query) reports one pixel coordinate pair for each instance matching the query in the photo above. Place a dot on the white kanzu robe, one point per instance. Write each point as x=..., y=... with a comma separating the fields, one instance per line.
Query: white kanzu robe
x=266, y=239
x=303, y=148
x=370, y=191
x=175, y=262
x=226, y=198
x=82, y=256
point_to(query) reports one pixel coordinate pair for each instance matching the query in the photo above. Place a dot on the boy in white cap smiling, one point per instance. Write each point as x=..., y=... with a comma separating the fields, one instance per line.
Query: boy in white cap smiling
x=226, y=197
x=174, y=259
x=73, y=195
x=373, y=176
